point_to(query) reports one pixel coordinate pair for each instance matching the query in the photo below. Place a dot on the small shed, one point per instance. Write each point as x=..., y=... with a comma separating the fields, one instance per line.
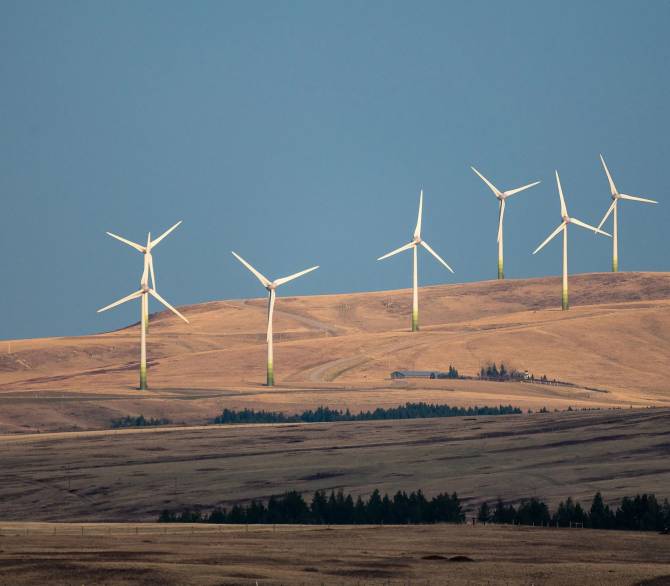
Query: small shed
x=414, y=374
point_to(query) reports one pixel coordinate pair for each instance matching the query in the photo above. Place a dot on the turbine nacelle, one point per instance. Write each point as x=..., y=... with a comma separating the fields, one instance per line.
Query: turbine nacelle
x=565, y=220
x=616, y=195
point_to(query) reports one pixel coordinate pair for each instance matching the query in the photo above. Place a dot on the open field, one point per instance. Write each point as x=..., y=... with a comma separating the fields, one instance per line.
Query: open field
x=391, y=555
x=338, y=350
x=614, y=345
x=131, y=475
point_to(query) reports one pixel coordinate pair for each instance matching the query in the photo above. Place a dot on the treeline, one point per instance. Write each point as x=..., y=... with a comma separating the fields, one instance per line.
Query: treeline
x=139, y=421
x=324, y=414
x=641, y=513
x=335, y=509
x=491, y=371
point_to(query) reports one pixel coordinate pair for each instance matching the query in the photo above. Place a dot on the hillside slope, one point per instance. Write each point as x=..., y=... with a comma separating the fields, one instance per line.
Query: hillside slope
x=340, y=349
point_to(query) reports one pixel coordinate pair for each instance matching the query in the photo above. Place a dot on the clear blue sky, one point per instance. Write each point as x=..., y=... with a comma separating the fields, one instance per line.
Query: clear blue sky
x=300, y=133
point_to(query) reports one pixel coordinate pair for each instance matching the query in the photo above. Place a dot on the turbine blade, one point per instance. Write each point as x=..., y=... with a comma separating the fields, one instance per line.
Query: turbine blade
x=519, y=189
x=283, y=280
x=607, y=215
x=417, y=230
x=128, y=242
x=164, y=234
x=271, y=308
x=122, y=300
x=609, y=177
x=262, y=278
x=501, y=215
x=550, y=237
x=635, y=198
x=172, y=309
x=437, y=256
x=564, y=209
x=589, y=227
x=151, y=270
x=397, y=250
x=492, y=187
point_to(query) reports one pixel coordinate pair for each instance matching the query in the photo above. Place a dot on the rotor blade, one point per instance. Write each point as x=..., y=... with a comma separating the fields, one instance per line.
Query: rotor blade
x=151, y=270
x=262, y=278
x=635, y=198
x=128, y=242
x=500, y=218
x=164, y=234
x=589, y=227
x=607, y=215
x=172, y=309
x=518, y=189
x=492, y=187
x=417, y=230
x=271, y=308
x=550, y=237
x=609, y=177
x=564, y=209
x=437, y=256
x=283, y=280
x=123, y=300
x=397, y=250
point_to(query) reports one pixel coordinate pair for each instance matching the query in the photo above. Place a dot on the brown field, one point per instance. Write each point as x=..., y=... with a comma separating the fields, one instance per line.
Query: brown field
x=338, y=350
x=132, y=475
x=294, y=555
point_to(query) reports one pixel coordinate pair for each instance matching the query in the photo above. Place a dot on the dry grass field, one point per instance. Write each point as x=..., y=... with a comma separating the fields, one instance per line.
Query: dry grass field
x=131, y=475
x=59, y=462
x=355, y=556
x=338, y=350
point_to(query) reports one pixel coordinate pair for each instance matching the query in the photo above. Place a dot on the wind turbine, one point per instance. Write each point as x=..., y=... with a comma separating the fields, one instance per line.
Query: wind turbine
x=502, y=196
x=563, y=227
x=144, y=293
x=271, y=286
x=415, y=242
x=616, y=196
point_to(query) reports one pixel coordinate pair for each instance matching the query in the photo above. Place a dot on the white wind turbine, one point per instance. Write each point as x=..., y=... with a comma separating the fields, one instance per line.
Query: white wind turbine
x=616, y=196
x=502, y=196
x=271, y=286
x=415, y=242
x=563, y=227
x=144, y=293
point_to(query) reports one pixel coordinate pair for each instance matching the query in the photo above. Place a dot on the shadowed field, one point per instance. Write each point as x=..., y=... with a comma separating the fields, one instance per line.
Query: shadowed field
x=338, y=350
x=131, y=475
x=439, y=554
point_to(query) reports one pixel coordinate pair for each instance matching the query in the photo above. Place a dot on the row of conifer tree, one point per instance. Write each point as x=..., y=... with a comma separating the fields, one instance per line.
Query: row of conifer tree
x=324, y=414
x=642, y=512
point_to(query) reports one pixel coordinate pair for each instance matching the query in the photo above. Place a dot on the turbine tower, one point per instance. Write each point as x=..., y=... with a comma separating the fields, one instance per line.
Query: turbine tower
x=502, y=196
x=616, y=196
x=144, y=293
x=271, y=286
x=415, y=242
x=563, y=227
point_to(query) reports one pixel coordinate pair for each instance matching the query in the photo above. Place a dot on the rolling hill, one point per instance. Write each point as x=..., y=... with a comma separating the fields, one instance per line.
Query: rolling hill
x=339, y=350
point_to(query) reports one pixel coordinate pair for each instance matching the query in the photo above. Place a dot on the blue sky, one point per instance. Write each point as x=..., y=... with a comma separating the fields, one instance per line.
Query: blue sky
x=300, y=133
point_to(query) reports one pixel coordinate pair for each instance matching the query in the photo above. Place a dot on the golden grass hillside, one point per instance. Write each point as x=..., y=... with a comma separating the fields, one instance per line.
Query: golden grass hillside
x=339, y=350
